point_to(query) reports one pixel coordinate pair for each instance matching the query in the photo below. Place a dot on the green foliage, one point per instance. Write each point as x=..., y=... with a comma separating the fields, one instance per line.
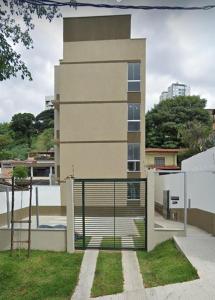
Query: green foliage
x=44, y=120
x=20, y=172
x=45, y=275
x=22, y=125
x=194, y=136
x=5, y=140
x=108, y=277
x=164, y=265
x=15, y=31
x=164, y=121
x=44, y=141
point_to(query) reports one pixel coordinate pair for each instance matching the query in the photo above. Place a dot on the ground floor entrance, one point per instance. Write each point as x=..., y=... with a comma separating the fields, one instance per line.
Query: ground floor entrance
x=110, y=213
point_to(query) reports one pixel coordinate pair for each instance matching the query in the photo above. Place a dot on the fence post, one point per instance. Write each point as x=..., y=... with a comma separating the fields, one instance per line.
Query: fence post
x=8, y=207
x=70, y=214
x=37, y=207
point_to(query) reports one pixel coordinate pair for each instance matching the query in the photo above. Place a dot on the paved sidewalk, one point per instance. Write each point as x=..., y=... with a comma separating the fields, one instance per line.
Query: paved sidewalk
x=88, y=267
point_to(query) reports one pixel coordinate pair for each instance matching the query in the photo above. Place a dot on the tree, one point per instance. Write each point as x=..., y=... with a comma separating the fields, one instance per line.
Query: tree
x=44, y=120
x=13, y=32
x=164, y=121
x=22, y=125
x=195, y=136
x=44, y=141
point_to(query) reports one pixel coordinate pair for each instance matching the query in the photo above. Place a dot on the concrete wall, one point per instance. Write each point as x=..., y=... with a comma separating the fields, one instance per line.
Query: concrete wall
x=156, y=235
x=47, y=195
x=48, y=239
x=200, y=195
x=204, y=161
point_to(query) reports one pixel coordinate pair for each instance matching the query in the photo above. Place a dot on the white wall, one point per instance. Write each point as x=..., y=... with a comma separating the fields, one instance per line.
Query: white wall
x=47, y=195
x=174, y=183
x=204, y=161
x=200, y=189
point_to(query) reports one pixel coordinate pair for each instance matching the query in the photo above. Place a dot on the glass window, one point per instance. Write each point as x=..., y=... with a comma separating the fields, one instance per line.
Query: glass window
x=134, y=86
x=133, y=111
x=133, y=77
x=133, y=117
x=134, y=151
x=133, y=71
x=133, y=166
x=133, y=126
x=133, y=192
x=159, y=161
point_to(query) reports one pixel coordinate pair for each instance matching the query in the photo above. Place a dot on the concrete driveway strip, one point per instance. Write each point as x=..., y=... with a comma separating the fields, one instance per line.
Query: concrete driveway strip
x=88, y=267
x=131, y=271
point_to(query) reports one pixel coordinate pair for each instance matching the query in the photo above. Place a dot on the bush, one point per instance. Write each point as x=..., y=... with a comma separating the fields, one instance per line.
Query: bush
x=20, y=172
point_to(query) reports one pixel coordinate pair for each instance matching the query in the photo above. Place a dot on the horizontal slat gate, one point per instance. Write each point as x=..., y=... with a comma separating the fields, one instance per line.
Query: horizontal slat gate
x=110, y=213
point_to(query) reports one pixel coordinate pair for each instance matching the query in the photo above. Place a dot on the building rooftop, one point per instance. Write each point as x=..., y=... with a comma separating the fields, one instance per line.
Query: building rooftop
x=163, y=150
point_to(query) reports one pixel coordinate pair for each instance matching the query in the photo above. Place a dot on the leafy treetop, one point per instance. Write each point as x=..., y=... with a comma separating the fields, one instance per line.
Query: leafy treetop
x=16, y=22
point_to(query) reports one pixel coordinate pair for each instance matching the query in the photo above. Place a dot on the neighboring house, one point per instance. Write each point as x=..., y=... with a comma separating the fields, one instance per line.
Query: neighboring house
x=100, y=100
x=211, y=112
x=40, y=167
x=175, y=90
x=49, y=102
x=161, y=159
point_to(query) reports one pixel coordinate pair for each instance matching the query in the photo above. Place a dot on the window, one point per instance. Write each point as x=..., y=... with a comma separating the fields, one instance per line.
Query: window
x=133, y=77
x=133, y=117
x=133, y=157
x=133, y=192
x=159, y=161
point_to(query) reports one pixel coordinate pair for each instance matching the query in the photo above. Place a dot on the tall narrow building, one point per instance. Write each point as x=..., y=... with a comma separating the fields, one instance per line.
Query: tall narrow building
x=100, y=100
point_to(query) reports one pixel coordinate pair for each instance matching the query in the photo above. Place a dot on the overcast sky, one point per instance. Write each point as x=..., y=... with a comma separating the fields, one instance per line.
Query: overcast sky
x=180, y=47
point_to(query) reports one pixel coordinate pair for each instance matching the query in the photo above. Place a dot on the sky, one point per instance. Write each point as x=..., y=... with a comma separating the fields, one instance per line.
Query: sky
x=180, y=48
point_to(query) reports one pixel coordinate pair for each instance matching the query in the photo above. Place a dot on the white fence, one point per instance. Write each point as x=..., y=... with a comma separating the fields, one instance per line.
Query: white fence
x=200, y=189
x=47, y=196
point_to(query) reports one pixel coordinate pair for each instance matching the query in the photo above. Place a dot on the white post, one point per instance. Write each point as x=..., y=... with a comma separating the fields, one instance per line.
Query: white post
x=32, y=173
x=50, y=175
x=70, y=214
x=185, y=203
x=150, y=209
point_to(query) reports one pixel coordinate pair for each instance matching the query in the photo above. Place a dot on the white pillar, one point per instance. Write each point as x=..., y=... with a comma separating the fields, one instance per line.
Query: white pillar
x=32, y=173
x=70, y=214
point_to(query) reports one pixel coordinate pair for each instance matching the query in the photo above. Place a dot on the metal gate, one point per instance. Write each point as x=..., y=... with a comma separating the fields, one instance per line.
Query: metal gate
x=110, y=213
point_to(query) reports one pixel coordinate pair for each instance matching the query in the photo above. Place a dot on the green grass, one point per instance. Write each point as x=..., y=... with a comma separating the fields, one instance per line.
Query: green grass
x=108, y=242
x=44, y=276
x=139, y=241
x=108, y=278
x=164, y=265
x=79, y=242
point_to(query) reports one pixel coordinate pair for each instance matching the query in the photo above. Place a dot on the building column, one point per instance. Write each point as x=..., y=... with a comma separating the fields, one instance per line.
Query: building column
x=32, y=173
x=69, y=185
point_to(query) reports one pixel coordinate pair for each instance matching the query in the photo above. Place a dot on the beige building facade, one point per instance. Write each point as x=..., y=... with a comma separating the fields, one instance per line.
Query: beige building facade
x=100, y=100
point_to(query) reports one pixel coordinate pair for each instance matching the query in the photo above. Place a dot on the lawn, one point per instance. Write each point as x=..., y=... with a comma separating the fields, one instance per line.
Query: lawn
x=108, y=242
x=44, y=276
x=108, y=277
x=79, y=242
x=164, y=265
x=139, y=241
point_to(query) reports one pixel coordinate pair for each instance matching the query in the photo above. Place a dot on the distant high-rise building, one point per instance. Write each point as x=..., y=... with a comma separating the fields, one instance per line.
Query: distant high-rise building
x=49, y=102
x=175, y=90
x=163, y=96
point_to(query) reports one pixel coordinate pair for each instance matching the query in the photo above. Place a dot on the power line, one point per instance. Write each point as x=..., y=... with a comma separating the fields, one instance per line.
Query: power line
x=76, y=4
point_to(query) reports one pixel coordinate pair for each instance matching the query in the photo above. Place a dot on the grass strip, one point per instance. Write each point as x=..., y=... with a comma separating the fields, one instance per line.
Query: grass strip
x=45, y=275
x=79, y=242
x=164, y=265
x=108, y=242
x=108, y=277
x=139, y=241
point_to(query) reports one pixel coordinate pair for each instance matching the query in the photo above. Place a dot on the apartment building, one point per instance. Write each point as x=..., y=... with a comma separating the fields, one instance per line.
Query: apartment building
x=100, y=100
x=175, y=90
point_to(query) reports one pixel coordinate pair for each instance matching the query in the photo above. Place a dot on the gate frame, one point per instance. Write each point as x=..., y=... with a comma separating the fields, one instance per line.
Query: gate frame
x=114, y=180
